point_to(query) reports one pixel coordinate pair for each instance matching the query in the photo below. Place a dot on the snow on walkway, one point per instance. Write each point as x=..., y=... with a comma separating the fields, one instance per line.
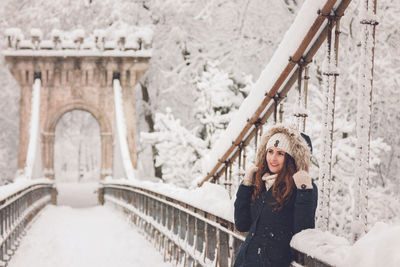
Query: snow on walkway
x=98, y=236
x=77, y=195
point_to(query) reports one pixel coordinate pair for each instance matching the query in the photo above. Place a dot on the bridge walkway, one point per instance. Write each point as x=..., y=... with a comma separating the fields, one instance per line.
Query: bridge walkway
x=97, y=236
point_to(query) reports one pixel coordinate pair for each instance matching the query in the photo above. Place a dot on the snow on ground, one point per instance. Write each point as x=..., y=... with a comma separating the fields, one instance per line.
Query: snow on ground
x=77, y=195
x=88, y=237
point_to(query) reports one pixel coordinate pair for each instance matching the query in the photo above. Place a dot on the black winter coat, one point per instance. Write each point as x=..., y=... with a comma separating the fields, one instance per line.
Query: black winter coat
x=270, y=232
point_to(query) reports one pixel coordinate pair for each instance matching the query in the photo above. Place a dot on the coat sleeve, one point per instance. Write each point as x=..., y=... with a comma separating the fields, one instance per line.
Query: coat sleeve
x=304, y=209
x=242, y=208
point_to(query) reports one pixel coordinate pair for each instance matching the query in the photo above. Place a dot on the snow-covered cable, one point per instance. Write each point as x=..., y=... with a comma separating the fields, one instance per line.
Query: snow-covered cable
x=121, y=130
x=33, y=130
x=324, y=165
x=364, y=107
x=325, y=175
x=300, y=111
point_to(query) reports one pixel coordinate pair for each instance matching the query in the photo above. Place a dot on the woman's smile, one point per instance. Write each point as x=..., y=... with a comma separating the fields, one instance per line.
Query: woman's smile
x=275, y=158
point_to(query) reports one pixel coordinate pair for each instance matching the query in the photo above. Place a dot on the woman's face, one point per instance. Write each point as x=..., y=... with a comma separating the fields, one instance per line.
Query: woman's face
x=275, y=159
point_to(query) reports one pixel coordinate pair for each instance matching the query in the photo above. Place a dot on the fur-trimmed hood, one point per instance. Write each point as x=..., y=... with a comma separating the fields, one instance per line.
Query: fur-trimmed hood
x=300, y=150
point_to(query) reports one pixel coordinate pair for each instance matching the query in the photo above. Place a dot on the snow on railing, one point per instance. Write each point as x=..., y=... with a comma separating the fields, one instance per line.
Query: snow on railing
x=121, y=131
x=185, y=234
x=19, y=203
x=322, y=247
x=379, y=247
x=34, y=137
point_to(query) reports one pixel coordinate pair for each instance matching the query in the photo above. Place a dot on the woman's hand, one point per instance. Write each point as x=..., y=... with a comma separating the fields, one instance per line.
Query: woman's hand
x=248, y=179
x=302, y=180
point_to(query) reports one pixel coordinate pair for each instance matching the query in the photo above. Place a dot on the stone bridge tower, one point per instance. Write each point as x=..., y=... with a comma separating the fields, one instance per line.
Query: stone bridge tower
x=76, y=75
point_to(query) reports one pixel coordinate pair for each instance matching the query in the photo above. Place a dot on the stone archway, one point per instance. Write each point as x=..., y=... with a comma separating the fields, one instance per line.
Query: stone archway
x=106, y=137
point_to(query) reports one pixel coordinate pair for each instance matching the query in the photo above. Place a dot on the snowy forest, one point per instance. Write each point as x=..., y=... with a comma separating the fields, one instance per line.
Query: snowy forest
x=206, y=55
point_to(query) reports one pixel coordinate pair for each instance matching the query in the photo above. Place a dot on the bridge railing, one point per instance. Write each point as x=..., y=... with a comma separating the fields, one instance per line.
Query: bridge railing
x=17, y=209
x=302, y=259
x=184, y=234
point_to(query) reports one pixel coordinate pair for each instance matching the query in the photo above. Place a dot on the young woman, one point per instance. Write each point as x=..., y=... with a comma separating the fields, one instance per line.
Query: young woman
x=276, y=199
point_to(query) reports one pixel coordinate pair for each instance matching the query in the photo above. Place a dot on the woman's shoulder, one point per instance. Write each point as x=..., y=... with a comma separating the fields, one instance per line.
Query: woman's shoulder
x=244, y=191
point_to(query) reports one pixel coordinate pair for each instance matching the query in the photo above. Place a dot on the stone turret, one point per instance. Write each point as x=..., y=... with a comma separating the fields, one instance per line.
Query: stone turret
x=140, y=40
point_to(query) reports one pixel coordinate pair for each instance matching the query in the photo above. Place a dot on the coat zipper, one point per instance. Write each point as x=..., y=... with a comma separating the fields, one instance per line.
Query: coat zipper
x=260, y=257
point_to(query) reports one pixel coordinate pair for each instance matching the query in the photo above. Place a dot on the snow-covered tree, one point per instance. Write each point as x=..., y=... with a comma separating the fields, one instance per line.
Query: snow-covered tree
x=218, y=97
x=9, y=124
x=179, y=149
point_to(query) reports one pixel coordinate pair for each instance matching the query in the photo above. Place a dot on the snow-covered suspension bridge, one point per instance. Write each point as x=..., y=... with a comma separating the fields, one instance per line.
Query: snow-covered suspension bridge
x=188, y=227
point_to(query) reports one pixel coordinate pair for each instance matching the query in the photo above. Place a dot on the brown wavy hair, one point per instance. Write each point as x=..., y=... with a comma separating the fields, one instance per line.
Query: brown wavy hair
x=284, y=185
